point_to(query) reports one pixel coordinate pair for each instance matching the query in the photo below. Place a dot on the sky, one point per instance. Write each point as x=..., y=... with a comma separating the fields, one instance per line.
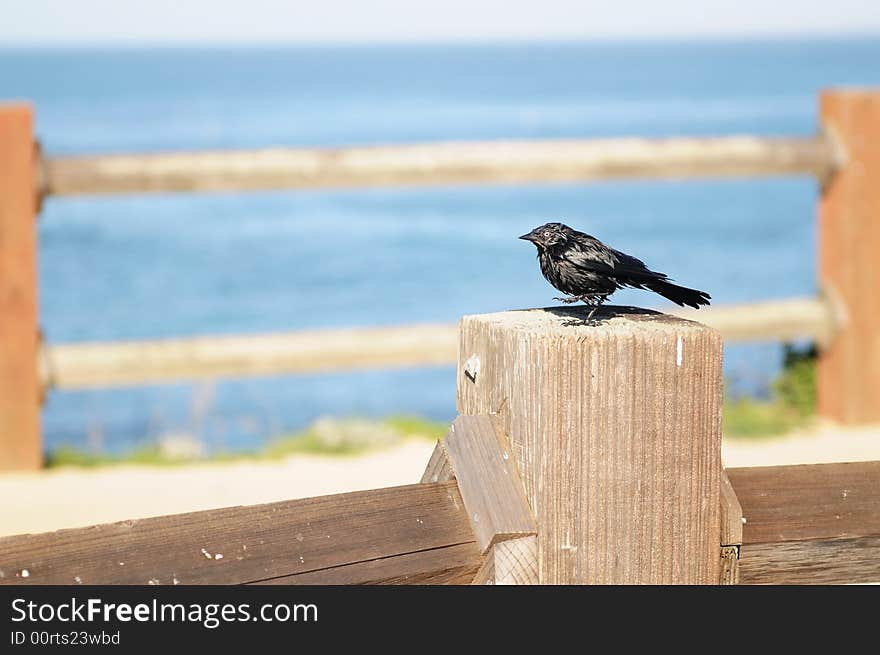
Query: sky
x=87, y=22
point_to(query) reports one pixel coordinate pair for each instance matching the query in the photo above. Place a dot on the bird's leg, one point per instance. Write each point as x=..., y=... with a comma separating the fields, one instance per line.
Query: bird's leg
x=588, y=298
x=596, y=301
x=592, y=300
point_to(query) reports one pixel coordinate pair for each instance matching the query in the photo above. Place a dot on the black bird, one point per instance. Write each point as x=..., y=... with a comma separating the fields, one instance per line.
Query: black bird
x=585, y=269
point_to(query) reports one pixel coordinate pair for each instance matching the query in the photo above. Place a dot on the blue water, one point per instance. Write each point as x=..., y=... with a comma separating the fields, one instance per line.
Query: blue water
x=134, y=267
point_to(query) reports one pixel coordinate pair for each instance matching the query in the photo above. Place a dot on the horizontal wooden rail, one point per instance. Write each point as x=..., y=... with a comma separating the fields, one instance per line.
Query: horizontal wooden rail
x=772, y=320
x=811, y=524
x=102, y=364
x=438, y=163
x=98, y=364
x=416, y=534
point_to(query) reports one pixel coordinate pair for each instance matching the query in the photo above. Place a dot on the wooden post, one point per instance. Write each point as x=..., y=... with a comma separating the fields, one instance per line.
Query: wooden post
x=476, y=453
x=616, y=432
x=731, y=532
x=849, y=273
x=19, y=386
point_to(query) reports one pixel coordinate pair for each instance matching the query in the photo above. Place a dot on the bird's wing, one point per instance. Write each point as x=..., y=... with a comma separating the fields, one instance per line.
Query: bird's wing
x=629, y=266
x=590, y=254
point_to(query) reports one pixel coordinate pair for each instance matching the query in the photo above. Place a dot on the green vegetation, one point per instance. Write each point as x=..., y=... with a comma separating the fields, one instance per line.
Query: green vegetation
x=415, y=426
x=75, y=457
x=354, y=436
x=327, y=436
x=792, y=403
x=796, y=387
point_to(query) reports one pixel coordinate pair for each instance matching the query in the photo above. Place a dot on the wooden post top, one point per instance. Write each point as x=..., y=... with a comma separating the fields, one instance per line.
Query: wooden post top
x=570, y=321
x=615, y=430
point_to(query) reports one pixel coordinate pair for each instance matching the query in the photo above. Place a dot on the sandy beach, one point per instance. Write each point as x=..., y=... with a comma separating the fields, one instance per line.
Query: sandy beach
x=72, y=497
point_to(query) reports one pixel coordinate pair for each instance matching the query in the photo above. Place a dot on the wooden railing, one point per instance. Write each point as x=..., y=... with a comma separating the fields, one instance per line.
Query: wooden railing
x=582, y=455
x=438, y=163
x=76, y=366
x=420, y=534
x=844, y=158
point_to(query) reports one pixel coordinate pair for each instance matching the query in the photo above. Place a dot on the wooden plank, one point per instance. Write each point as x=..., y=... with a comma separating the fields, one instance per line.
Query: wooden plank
x=510, y=562
x=849, y=240
x=481, y=461
x=438, y=469
x=816, y=501
x=810, y=524
x=616, y=431
x=486, y=573
x=516, y=561
x=769, y=320
x=244, y=544
x=105, y=364
x=20, y=446
x=730, y=573
x=731, y=514
x=438, y=163
x=449, y=565
x=846, y=560
x=731, y=532
x=84, y=365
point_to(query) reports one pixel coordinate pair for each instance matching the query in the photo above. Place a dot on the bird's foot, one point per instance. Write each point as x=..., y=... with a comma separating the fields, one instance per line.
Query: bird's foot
x=587, y=298
x=593, y=301
x=579, y=322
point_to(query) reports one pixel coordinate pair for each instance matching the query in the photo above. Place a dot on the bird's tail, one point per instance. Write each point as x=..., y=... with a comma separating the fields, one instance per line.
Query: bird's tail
x=679, y=295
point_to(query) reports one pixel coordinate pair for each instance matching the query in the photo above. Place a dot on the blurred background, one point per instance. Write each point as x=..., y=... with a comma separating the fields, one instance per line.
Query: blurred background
x=114, y=77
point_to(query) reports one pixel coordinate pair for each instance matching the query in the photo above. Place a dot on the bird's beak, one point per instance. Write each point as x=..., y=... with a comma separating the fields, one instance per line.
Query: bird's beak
x=528, y=237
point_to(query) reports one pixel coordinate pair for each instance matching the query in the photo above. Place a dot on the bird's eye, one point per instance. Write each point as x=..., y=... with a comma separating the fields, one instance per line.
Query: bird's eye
x=547, y=234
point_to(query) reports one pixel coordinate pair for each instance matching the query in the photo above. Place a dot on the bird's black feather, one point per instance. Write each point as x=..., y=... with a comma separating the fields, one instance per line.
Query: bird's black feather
x=584, y=268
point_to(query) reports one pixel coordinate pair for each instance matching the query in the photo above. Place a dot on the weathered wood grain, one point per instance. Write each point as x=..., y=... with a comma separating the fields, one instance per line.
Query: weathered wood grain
x=809, y=524
x=451, y=565
x=438, y=468
x=729, y=565
x=485, y=575
x=731, y=514
x=816, y=501
x=516, y=561
x=731, y=532
x=484, y=469
x=510, y=562
x=615, y=429
x=245, y=544
x=845, y=560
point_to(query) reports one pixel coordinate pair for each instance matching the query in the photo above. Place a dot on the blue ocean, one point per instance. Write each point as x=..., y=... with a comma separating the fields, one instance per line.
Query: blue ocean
x=133, y=267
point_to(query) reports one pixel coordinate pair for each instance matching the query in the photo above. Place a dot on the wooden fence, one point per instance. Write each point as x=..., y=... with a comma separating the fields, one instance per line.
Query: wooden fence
x=844, y=158
x=583, y=454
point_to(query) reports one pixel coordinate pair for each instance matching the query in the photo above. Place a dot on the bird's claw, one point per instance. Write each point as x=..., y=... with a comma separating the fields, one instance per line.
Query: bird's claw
x=581, y=322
